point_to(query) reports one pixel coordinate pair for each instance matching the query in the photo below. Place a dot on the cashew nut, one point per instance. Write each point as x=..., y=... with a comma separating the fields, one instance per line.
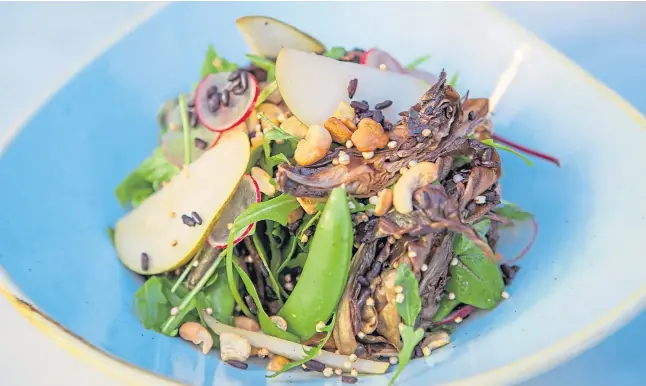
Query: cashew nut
x=262, y=178
x=194, y=332
x=384, y=202
x=419, y=175
x=314, y=146
x=272, y=112
x=309, y=204
x=277, y=363
x=294, y=127
x=246, y=323
x=279, y=322
x=234, y=347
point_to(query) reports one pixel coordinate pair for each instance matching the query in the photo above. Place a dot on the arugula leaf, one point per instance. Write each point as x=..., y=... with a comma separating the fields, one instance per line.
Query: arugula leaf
x=417, y=62
x=151, y=306
x=146, y=179
x=265, y=64
x=475, y=279
x=490, y=142
x=271, y=87
x=274, y=134
x=454, y=79
x=312, y=352
x=412, y=304
x=410, y=337
x=513, y=211
x=254, y=157
x=335, y=53
x=111, y=235
x=214, y=63
x=298, y=261
x=266, y=324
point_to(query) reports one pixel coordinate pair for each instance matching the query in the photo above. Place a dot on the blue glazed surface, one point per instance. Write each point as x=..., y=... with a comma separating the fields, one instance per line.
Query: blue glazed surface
x=63, y=167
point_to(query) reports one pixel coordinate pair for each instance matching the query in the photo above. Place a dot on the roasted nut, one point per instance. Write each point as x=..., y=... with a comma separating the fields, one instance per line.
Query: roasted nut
x=309, y=204
x=272, y=112
x=384, y=202
x=370, y=136
x=348, y=123
x=194, y=332
x=262, y=178
x=274, y=97
x=246, y=323
x=339, y=132
x=314, y=146
x=279, y=322
x=257, y=141
x=344, y=110
x=294, y=127
x=234, y=347
x=277, y=363
x=252, y=121
x=295, y=215
x=419, y=175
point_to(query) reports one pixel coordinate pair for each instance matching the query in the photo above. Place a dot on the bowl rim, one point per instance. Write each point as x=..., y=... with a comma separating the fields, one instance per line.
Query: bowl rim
x=514, y=372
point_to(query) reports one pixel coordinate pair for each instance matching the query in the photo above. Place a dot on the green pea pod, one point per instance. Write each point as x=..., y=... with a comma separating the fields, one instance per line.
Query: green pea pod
x=220, y=300
x=325, y=273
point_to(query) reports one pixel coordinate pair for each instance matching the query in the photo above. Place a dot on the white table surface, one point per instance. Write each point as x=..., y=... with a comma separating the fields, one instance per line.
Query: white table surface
x=60, y=38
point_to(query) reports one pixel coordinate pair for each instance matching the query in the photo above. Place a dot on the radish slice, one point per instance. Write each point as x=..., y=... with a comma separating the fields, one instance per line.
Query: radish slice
x=426, y=76
x=381, y=60
x=211, y=108
x=247, y=193
x=202, y=139
x=295, y=351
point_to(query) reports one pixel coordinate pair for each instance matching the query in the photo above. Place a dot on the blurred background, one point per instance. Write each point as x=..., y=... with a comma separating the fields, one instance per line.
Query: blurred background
x=43, y=44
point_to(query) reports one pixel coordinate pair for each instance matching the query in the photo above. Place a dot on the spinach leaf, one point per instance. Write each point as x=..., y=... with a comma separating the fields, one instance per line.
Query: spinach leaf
x=269, y=89
x=513, y=211
x=146, y=179
x=218, y=298
x=490, y=142
x=335, y=53
x=417, y=62
x=151, y=306
x=213, y=63
x=475, y=279
x=412, y=304
x=311, y=353
x=410, y=337
x=446, y=307
x=265, y=64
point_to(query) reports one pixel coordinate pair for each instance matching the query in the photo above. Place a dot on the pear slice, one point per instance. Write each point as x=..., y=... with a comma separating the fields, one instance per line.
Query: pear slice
x=156, y=227
x=265, y=36
x=313, y=85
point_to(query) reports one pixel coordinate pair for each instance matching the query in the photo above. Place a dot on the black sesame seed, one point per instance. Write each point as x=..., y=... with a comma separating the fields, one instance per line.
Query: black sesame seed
x=211, y=91
x=315, y=365
x=418, y=352
x=233, y=76
x=237, y=364
x=363, y=281
x=383, y=105
x=378, y=116
x=188, y=220
x=359, y=106
x=403, y=113
x=238, y=90
x=252, y=134
x=472, y=115
x=226, y=97
x=145, y=261
x=213, y=105
x=374, y=271
x=197, y=218
x=361, y=351
x=349, y=379
x=352, y=87
x=200, y=143
x=244, y=80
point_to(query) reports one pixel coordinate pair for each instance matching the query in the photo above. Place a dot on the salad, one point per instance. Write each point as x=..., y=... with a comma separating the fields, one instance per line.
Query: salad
x=328, y=209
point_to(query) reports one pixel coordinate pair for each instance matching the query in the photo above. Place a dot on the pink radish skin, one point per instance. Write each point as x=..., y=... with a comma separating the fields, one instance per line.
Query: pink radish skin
x=206, y=117
x=246, y=232
x=374, y=58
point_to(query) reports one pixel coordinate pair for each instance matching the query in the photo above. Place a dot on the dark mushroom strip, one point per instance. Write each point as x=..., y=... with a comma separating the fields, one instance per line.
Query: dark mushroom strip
x=347, y=313
x=385, y=294
x=434, y=279
x=380, y=350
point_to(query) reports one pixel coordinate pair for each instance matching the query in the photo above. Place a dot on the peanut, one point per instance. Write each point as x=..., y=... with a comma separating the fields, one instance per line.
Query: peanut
x=314, y=146
x=370, y=136
x=338, y=130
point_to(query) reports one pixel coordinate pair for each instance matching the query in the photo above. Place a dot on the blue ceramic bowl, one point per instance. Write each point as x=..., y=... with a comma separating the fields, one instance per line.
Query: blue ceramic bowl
x=583, y=279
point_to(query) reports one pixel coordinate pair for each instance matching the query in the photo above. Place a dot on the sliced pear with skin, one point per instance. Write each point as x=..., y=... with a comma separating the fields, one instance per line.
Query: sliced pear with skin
x=313, y=85
x=265, y=36
x=156, y=226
